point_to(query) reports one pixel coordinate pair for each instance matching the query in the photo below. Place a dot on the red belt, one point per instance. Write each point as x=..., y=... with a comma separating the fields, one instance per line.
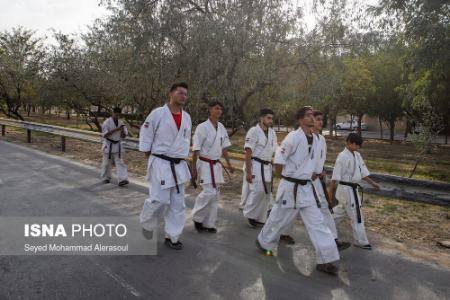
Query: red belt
x=211, y=162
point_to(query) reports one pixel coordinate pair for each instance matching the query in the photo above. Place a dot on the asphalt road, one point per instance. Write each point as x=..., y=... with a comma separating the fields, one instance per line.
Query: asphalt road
x=221, y=266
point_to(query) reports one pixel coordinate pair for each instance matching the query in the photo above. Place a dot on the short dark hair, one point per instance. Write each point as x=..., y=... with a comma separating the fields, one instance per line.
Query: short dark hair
x=300, y=114
x=266, y=111
x=214, y=103
x=177, y=85
x=354, y=138
x=117, y=110
x=317, y=113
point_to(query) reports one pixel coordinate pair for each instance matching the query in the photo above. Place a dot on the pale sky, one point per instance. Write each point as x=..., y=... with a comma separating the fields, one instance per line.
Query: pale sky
x=68, y=16
x=73, y=16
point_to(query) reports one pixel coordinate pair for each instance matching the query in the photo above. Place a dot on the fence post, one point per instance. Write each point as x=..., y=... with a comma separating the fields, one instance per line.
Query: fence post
x=3, y=130
x=28, y=135
x=63, y=143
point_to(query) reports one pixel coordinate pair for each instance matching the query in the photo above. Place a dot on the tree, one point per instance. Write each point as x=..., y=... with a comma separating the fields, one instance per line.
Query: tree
x=21, y=57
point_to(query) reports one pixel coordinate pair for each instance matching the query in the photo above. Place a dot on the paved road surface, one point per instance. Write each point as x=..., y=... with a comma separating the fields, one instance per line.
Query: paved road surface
x=222, y=266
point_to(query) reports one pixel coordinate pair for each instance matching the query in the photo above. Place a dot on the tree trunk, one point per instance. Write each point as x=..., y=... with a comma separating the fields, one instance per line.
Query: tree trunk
x=381, y=127
x=392, y=129
x=359, y=124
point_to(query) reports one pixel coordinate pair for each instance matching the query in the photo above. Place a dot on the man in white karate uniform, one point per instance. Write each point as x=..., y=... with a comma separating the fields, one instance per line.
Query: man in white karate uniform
x=113, y=131
x=348, y=171
x=320, y=179
x=260, y=145
x=210, y=143
x=165, y=138
x=295, y=159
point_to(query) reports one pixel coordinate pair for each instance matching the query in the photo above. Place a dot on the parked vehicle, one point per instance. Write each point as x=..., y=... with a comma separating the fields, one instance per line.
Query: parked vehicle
x=349, y=125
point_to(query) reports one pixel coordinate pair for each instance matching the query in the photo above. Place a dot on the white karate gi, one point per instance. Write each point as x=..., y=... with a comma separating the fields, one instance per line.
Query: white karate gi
x=111, y=151
x=350, y=168
x=254, y=198
x=210, y=143
x=321, y=155
x=298, y=163
x=160, y=135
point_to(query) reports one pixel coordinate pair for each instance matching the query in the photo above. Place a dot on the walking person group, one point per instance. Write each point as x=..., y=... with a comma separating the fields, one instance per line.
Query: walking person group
x=165, y=138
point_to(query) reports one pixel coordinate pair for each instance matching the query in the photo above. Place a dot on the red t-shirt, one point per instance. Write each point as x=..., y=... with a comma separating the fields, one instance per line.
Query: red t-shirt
x=177, y=118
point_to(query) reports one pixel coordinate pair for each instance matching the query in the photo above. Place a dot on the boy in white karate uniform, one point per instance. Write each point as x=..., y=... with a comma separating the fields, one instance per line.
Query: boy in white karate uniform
x=295, y=160
x=113, y=131
x=165, y=138
x=211, y=141
x=320, y=177
x=348, y=171
x=260, y=145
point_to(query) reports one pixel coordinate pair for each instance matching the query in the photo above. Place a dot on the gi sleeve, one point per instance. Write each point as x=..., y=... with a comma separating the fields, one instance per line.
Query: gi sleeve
x=199, y=138
x=105, y=128
x=339, y=167
x=226, y=139
x=251, y=139
x=147, y=132
x=364, y=171
x=284, y=150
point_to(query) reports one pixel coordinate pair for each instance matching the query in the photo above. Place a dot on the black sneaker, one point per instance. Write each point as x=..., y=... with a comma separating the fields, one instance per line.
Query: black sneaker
x=253, y=223
x=328, y=268
x=287, y=238
x=342, y=245
x=176, y=246
x=365, y=247
x=107, y=181
x=147, y=234
x=199, y=226
x=211, y=230
x=123, y=182
x=264, y=251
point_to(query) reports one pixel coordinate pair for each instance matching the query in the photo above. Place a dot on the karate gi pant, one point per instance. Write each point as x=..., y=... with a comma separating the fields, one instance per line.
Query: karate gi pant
x=169, y=204
x=205, y=208
x=348, y=209
x=245, y=192
x=328, y=218
x=121, y=168
x=257, y=202
x=321, y=237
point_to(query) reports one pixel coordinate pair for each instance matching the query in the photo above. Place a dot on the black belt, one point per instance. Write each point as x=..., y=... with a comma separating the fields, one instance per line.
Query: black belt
x=262, y=163
x=110, y=147
x=173, y=161
x=354, y=187
x=301, y=182
x=211, y=163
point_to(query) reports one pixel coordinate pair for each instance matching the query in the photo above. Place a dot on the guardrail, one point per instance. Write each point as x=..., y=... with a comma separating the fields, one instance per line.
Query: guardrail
x=427, y=191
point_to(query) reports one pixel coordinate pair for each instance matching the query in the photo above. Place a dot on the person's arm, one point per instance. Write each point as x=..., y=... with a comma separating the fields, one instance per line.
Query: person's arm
x=106, y=131
x=248, y=165
x=146, y=134
x=249, y=146
x=227, y=159
x=195, y=156
x=374, y=184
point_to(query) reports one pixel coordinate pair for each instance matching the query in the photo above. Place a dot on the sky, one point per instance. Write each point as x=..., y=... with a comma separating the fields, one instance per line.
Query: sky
x=67, y=16
x=73, y=16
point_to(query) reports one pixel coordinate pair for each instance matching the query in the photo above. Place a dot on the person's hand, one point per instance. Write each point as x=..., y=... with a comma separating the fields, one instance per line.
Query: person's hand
x=147, y=154
x=314, y=176
x=323, y=175
x=194, y=174
x=123, y=135
x=376, y=186
x=249, y=177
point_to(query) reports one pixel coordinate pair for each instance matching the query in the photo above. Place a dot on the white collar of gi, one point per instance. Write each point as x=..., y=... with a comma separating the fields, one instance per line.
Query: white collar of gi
x=348, y=152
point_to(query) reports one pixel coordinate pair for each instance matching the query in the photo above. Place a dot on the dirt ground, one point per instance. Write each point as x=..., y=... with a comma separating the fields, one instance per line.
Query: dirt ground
x=396, y=226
